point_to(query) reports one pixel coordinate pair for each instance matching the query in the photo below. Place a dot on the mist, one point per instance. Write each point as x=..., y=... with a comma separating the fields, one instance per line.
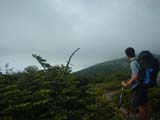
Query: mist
x=53, y=29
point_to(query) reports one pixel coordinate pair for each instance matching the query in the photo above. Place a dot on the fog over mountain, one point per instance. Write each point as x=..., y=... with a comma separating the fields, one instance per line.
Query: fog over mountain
x=102, y=29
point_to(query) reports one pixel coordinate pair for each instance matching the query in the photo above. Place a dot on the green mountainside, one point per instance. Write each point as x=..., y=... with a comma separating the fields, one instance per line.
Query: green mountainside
x=106, y=68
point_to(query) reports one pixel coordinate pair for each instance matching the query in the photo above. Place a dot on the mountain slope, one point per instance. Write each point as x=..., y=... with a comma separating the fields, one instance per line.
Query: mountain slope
x=105, y=67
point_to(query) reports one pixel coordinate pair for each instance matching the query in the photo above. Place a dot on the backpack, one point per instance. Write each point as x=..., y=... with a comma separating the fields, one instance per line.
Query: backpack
x=149, y=67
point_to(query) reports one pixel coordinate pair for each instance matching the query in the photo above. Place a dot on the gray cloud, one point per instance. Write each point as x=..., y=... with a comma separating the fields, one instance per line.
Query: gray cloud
x=54, y=28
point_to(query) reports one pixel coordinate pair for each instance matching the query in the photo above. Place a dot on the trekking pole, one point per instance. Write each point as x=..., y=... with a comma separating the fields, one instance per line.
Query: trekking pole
x=129, y=105
x=121, y=97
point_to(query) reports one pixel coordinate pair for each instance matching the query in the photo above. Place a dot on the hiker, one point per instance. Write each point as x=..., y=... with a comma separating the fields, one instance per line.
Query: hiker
x=139, y=93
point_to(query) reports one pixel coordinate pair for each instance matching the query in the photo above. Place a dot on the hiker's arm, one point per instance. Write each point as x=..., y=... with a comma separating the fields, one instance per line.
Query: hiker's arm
x=133, y=78
x=129, y=82
x=134, y=66
x=134, y=73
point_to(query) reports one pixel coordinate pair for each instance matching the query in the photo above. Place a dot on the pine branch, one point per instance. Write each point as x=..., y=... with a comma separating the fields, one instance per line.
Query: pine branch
x=42, y=61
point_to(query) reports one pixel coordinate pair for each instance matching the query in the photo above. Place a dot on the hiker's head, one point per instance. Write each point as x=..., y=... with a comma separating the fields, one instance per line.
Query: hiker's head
x=130, y=52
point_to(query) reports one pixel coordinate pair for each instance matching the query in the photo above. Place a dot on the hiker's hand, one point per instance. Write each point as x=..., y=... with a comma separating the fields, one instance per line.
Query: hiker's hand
x=124, y=84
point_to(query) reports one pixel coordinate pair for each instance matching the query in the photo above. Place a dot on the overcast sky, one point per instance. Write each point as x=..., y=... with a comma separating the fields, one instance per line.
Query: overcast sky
x=102, y=29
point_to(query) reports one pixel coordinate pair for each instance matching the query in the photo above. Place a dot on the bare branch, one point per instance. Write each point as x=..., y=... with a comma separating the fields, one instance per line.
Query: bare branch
x=69, y=60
